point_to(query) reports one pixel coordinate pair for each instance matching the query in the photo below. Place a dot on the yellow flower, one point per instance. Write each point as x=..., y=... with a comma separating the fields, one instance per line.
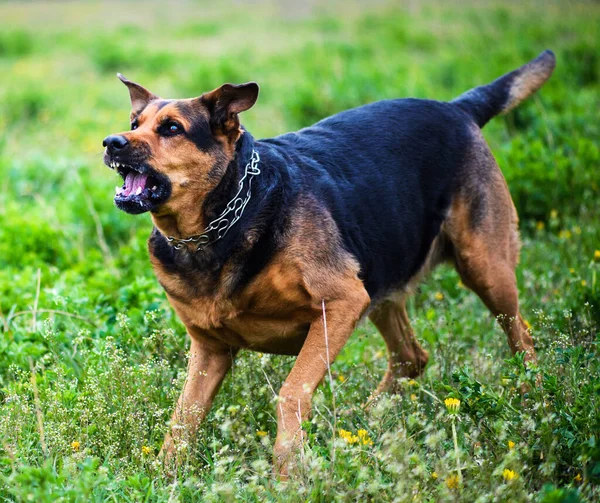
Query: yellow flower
x=75, y=445
x=597, y=255
x=578, y=478
x=146, y=450
x=261, y=433
x=413, y=397
x=553, y=214
x=364, y=437
x=540, y=226
x=439, y=296
x=583, y=282
x=527, y=324
x=564, y=234
x=452, y=404
x=434, y=475
x=511, y=445
x=572, y=271
x=452, y=482
x=509, y=475
x=342, y=378
x=412, y=382
x=348, y=436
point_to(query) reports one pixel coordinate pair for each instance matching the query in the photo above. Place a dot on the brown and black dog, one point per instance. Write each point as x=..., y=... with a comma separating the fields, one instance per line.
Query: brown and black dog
x=282, y=245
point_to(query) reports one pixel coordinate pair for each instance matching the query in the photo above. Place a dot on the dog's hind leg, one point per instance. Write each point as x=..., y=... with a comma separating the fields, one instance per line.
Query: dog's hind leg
x=406, y=357
x=483, y=232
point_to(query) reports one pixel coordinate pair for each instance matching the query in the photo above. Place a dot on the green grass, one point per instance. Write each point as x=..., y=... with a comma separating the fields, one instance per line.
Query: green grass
x=91, y=352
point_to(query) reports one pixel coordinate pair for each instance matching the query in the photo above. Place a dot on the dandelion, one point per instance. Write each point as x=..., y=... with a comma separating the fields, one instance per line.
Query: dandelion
x=511, y=445
x=413, y=397
x=364, y=437
x=348, y=436
x=572, y=271
x=540, y=226
x=439, y=296
x=597, y=255
x=146, y=450
x=434, y=475
x=578, y=478
x=583, y=282
x=509, y=475
x=412, y=382
x=453, y=481
x=553, y=214
x=75, y=445
x=261, y=433
x=342, y=378
x=452, y=404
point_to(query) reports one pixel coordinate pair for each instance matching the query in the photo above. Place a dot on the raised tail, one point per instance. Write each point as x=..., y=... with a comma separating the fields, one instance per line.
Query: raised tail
x=505, y=93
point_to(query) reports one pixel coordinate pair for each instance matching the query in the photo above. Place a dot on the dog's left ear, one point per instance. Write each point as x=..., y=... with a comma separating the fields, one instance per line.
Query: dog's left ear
x=140, y=96
x=226, y=102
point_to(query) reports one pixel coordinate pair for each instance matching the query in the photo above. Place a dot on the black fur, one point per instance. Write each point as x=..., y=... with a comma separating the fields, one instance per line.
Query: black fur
x=200, y=130
x=386, y=173
x=484, y=102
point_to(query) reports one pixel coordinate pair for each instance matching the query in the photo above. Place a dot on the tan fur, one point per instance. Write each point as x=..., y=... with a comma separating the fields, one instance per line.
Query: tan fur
x=532, y=77
x=280, y=311
x=186, y=166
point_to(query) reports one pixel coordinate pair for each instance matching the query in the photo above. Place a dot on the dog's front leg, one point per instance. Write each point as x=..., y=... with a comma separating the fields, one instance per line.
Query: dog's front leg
x=326, y=337
x=207, y=367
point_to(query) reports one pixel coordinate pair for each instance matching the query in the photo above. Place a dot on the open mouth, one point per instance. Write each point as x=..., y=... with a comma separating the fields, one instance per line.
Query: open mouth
x=143, y=188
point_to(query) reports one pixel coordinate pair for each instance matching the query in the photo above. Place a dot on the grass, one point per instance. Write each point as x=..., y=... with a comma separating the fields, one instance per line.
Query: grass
x=92, y=357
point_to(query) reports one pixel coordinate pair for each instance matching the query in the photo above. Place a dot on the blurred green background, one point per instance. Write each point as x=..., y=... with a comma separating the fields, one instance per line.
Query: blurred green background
x=81, y=311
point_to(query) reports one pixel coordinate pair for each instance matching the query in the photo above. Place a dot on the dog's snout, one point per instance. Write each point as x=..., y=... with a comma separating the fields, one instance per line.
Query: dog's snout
x=115, y=142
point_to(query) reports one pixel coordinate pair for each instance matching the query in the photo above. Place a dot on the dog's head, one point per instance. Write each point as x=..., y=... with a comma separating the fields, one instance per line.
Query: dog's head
x=177, y=150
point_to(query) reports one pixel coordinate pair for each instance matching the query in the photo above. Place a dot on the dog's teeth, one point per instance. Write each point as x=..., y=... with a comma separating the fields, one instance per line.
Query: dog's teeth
x=141, y=204
x=138, y=191
x=117, y=189
x=154, y=188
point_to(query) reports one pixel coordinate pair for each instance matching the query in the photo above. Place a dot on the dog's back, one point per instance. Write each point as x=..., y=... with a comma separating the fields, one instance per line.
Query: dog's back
x=385, y=172
x=388, y=171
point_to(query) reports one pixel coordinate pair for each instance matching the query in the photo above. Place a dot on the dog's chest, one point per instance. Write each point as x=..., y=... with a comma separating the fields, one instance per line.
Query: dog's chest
x=272, y=313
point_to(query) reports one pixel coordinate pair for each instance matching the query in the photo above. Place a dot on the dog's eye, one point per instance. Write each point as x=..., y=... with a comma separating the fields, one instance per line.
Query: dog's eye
x=134, y=125
x=171, y=128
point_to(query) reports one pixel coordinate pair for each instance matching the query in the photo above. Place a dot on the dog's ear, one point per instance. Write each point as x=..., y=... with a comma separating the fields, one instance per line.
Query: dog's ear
x=226, y=102
x=140, y=96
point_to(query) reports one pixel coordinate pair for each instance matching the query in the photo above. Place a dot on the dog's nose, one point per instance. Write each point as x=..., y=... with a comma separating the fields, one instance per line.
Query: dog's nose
x=115, y=142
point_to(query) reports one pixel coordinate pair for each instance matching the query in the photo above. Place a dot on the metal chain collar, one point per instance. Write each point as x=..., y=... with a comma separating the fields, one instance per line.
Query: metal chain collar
x=225, y=221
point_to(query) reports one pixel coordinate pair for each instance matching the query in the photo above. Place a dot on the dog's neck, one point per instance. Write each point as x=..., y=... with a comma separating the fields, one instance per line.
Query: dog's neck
x=181, y=226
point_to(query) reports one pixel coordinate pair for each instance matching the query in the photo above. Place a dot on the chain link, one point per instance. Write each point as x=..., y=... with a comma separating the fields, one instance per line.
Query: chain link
x=225, y=221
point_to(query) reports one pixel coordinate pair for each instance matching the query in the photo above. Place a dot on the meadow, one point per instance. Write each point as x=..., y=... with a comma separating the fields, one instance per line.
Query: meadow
x=92, y=357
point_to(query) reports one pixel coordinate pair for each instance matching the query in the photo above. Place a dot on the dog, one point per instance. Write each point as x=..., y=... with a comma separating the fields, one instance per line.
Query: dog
x=282, y=245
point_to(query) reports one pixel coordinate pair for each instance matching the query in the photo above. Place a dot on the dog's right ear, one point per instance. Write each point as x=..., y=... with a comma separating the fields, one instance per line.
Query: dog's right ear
x=140, y=96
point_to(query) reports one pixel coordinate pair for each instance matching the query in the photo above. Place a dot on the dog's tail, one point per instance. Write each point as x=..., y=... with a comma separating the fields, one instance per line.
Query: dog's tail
x=501, y=96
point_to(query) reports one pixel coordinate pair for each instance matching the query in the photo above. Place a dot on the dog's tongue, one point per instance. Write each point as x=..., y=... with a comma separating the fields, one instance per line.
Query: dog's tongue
x=135, y=182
